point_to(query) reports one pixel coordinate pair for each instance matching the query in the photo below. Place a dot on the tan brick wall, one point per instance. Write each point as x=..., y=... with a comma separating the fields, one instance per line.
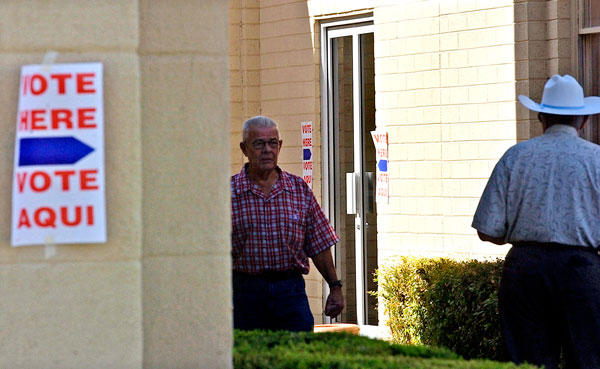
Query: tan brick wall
x=288, y=76
x=446, y=95
x=543, y=47
x=244, y=70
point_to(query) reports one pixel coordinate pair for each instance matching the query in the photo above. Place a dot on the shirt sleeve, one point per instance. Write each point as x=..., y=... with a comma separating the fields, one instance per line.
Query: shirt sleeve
x=320, y=235
x=490, y=217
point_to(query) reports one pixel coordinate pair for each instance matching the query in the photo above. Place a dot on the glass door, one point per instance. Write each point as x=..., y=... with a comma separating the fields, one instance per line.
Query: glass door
x=349, y=161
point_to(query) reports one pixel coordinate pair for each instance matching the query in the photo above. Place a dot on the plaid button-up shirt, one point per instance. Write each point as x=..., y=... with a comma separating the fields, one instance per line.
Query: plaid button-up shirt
x=279, y=231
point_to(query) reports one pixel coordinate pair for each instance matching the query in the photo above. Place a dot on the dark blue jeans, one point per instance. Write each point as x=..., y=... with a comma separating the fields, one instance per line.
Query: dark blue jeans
x=550, y=298
x=260, y=303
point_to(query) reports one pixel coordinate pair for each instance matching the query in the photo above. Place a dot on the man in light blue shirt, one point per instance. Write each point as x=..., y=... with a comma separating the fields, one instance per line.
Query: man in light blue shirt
x=543, y=197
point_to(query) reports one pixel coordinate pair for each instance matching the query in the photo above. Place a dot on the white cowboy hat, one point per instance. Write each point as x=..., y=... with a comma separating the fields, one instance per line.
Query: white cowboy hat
x=563, y=95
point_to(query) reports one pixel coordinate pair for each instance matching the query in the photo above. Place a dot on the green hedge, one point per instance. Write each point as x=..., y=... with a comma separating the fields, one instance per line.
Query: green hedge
x=444, y=303
x=279, y=350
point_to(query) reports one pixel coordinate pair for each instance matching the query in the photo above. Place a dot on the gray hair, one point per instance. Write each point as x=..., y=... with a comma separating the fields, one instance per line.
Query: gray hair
x=257, y=121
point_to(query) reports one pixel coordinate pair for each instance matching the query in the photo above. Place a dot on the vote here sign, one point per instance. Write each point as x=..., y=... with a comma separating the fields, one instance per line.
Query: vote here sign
x=58, y=178
x=382, y=184
x=307, y=157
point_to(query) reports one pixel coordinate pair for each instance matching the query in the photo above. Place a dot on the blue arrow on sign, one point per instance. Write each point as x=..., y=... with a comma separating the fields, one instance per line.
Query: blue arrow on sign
x=52, y=151
x=382, y=165
x=306, y=154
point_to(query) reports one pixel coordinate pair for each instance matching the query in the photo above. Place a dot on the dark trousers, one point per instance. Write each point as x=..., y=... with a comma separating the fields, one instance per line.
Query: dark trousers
x=550, y=298
x=270, y=303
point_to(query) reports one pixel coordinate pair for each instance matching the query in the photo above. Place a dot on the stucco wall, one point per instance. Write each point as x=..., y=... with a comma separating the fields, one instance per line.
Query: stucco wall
x=78, y=307
x=157, y=294
x=185, y=144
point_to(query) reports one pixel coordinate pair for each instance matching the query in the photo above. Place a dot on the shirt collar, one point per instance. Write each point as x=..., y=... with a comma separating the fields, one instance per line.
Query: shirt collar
x=562, y=128
x=286, y=181
x=245, y=184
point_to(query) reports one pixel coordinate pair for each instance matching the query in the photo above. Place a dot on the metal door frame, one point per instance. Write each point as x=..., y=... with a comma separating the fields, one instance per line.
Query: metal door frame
x=330, y=143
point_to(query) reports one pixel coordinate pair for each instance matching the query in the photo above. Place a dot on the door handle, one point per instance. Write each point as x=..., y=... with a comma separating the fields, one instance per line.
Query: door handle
x=352, y=196
x=351, y=193
x=370, y=192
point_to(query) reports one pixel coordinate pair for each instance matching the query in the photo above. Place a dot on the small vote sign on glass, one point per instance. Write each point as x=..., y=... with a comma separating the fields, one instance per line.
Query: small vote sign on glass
x=58, y=191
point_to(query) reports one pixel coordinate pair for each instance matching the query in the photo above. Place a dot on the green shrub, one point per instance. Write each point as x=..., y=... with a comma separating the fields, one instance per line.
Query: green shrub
x=444, y=303
x=279, y=350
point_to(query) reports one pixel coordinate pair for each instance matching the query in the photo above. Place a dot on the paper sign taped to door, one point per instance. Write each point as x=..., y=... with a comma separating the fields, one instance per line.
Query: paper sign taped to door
x=382, y=187
x=307, y=150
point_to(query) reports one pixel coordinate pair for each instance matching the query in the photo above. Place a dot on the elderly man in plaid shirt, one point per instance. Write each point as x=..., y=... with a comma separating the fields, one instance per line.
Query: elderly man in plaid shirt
x=277, y=225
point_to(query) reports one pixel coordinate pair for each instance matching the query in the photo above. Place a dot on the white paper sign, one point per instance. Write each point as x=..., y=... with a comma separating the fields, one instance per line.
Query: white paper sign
x=382, y=188
x=307, y=150
x=58, y=177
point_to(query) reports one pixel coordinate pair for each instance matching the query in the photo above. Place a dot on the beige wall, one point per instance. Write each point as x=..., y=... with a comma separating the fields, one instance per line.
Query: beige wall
x=244, y=70
x=446, y=93
x=448, y=74
x=157, y=294
x=544, y=45
x=185, y=142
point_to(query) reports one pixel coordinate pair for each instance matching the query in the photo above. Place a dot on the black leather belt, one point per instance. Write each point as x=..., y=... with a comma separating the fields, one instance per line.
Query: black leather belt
x=271, y=275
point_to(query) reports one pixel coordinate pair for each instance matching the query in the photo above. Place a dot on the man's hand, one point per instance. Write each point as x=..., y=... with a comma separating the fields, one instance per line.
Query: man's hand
x=335, y=302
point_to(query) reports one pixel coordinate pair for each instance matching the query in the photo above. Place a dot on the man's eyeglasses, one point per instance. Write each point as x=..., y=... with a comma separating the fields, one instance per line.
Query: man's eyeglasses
x=260, y=144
